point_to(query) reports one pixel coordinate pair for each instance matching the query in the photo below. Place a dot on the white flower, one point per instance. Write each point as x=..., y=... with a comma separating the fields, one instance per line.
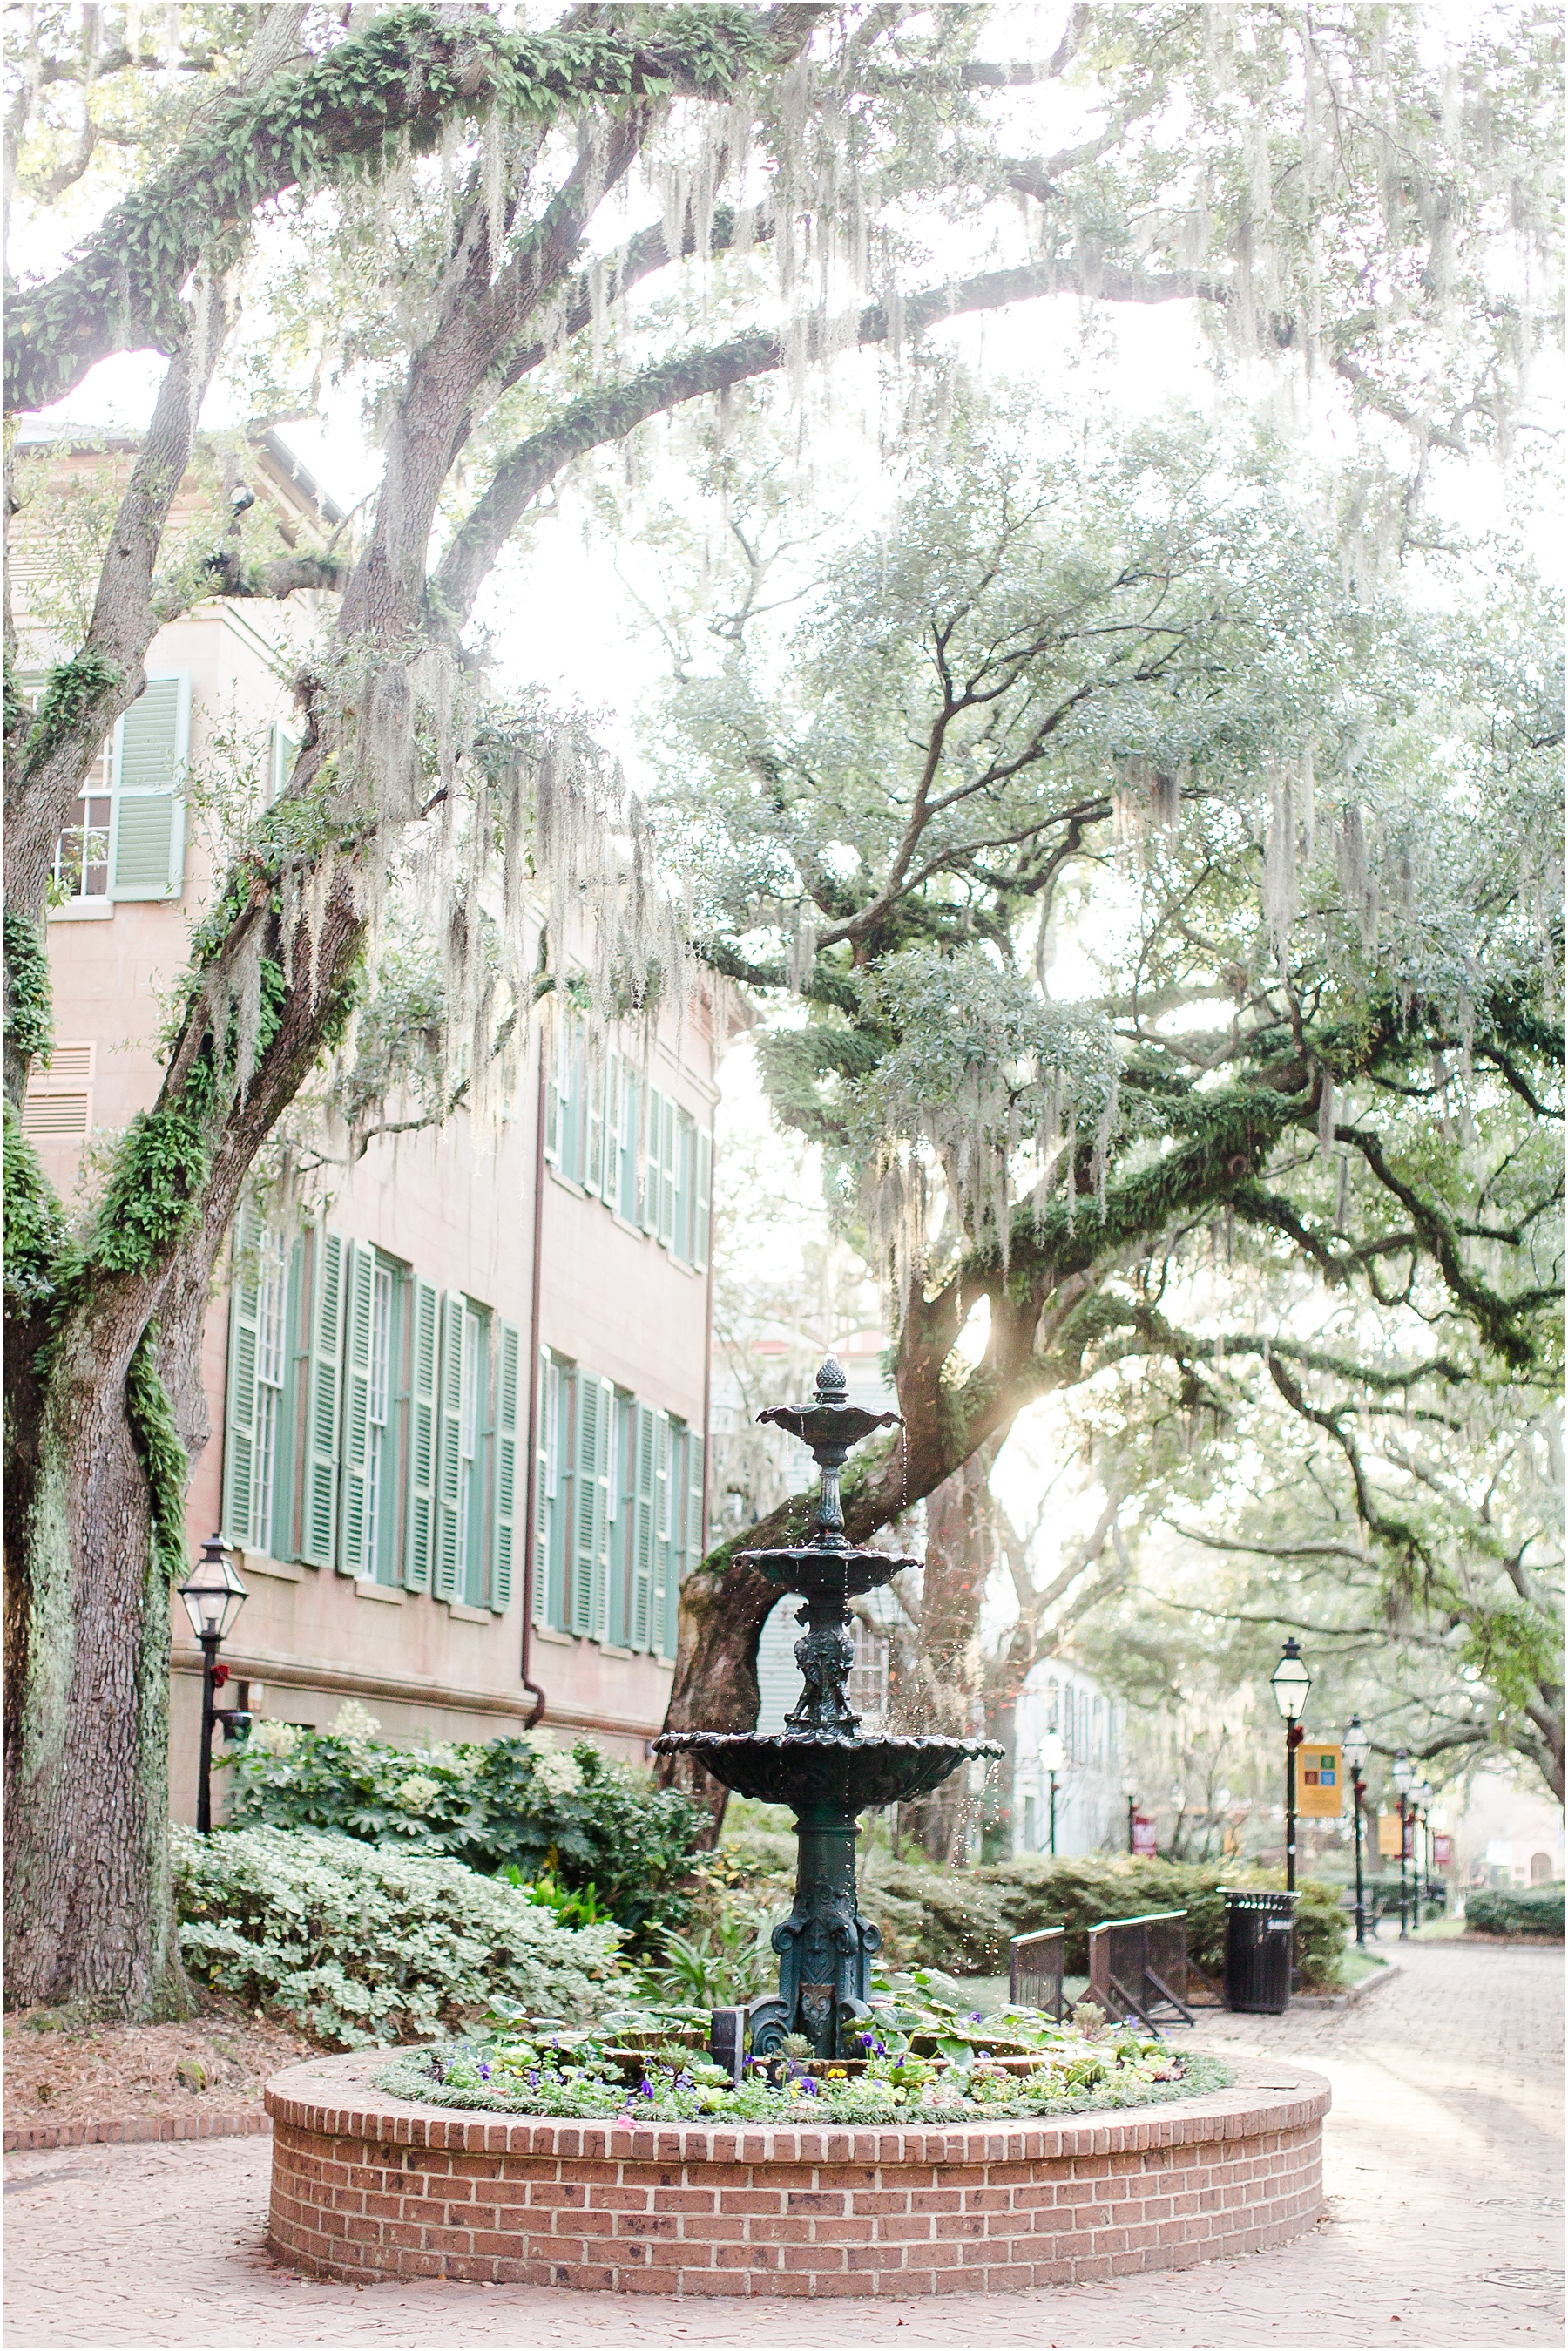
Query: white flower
x=353, y=1720
x=560, y=1775
x=273, y=1737
x=418, y=1793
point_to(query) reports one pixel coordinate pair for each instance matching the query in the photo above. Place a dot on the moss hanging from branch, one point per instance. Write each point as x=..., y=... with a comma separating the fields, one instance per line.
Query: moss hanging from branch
x=398, y=80
x=36, y=1233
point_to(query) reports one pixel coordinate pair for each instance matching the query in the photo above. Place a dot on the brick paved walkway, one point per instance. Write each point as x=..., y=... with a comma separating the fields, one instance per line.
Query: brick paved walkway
x=1443, y=2173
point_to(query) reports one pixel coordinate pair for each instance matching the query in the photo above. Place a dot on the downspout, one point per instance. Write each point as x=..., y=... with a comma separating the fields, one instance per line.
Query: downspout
x=530, y=1515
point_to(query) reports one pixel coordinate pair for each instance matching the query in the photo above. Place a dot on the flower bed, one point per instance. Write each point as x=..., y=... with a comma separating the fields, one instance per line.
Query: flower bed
x=917, y=2057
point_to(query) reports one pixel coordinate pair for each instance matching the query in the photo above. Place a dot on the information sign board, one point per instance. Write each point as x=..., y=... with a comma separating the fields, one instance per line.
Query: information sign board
x=1319, y=1782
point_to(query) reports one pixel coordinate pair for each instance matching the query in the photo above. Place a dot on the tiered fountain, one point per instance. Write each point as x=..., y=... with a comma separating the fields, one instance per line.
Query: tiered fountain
x=819, y=1765
x=367, y=2185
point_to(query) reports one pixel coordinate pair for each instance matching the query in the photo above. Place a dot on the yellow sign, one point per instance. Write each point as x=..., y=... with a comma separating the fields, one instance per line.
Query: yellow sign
x=1388, y=1835
x=1318, y=1778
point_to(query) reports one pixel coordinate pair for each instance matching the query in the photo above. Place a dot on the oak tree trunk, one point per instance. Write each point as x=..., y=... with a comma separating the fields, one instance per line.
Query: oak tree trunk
x=88, y=1901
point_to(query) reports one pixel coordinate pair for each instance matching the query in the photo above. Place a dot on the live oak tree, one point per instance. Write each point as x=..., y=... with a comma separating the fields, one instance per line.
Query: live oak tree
x=1124, y=687
x=437, y=188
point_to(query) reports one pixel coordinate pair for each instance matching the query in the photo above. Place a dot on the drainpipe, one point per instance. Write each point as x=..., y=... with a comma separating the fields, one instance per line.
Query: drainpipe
x=530, y=1529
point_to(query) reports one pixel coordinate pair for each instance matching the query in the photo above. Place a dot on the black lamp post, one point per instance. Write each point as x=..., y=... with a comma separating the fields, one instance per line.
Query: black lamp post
x=1421, y=1798
x=1357, y=1747
x=213, y=1596
x=1129, y=1791
x=1053, y=1759
x=1291, y=1682
x=1404, y=1781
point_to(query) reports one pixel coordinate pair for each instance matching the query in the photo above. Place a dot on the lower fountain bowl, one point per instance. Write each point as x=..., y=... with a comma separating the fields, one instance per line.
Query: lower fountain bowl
x=802, y=1768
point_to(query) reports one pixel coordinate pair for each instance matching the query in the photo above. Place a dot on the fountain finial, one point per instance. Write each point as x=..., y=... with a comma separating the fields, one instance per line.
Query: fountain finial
x=832, y=1385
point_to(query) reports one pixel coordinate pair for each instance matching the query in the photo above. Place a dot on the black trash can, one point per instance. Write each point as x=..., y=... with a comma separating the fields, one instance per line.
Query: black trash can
x=1260, y=1945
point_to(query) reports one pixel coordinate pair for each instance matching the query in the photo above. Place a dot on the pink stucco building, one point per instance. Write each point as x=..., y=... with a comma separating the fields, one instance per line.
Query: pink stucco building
x=459, y=1413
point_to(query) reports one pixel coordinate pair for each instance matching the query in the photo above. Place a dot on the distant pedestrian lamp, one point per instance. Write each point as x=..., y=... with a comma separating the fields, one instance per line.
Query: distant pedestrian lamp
x=1053, y=1762
x=213, y=1596
x=1357, y=1747
x=1291, y=1682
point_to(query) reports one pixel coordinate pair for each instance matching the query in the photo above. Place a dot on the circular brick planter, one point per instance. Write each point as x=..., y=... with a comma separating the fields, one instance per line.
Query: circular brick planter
x=364, y=2186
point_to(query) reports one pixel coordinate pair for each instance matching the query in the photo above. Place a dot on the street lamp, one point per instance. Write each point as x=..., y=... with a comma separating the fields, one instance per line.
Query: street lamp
x=1130, y=1790
x=1421, y=1798
x=213, y=1596
x=1053, y=1761
x=1404, y=1781
x=1291, y=1682
x=1357, y=1747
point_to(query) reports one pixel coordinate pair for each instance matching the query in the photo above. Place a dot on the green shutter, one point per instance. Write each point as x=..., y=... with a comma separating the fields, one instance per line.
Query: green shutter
x=425, y=1355
x=353, y=1558
x=147, y=826
x=630, y=1107
x=285, y=752
x=610, y=1189
x=542, y=1494
x=647, y=1160
x=240, y=1405
x=663, y=1498
x=594, y=1119
x=667, y=1171
x=695, y=1536
x=548, y=1048
x=616, y=1520
x=685, y=1163
x=645, y=1434
x=588, y=1513
x=448, y=1566
x=704, y=1210
x=318, y=1528
x=504, y=1534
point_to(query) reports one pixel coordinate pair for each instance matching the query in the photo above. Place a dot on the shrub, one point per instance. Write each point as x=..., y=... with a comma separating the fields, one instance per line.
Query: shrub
x=1500, y=1912
x=573, y=1818
x=356, y=1945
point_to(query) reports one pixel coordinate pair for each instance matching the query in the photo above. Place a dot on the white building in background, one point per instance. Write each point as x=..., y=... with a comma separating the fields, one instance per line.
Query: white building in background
x=1091, y=1810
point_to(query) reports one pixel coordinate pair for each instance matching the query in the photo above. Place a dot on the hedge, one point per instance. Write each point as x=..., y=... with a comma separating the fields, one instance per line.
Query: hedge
x=1500, y=1912
x=963, y=1920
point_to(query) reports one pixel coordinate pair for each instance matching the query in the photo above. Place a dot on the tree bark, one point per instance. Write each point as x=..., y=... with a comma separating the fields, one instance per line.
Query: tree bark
x=947, y=1697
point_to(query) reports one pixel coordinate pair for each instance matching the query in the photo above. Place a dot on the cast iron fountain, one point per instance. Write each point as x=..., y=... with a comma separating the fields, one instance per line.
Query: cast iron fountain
x=819, y=1765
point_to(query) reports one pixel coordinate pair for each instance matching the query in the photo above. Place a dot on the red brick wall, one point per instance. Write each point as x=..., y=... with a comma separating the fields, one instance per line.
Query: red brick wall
x=364, y=2188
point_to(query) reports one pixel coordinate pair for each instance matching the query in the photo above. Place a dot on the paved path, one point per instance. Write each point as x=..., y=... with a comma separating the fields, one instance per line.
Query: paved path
x=1445, y=2181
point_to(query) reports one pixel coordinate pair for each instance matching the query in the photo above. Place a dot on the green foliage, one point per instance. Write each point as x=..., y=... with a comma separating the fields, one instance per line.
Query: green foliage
x=355, y=1946
x=575, y=1819
x=398, y=81
x=72, y=690
x=35, y=1230
x=29, y=996
x=164, y=1459
x=155, y=1192
x=1500, y=1912
x=726, y=1964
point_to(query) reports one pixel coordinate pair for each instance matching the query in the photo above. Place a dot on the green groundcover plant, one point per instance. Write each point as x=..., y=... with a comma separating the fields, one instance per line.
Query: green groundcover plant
x=568, y=1820
x=1500, y=1912
x=357, y=1946
x=919, y=2057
